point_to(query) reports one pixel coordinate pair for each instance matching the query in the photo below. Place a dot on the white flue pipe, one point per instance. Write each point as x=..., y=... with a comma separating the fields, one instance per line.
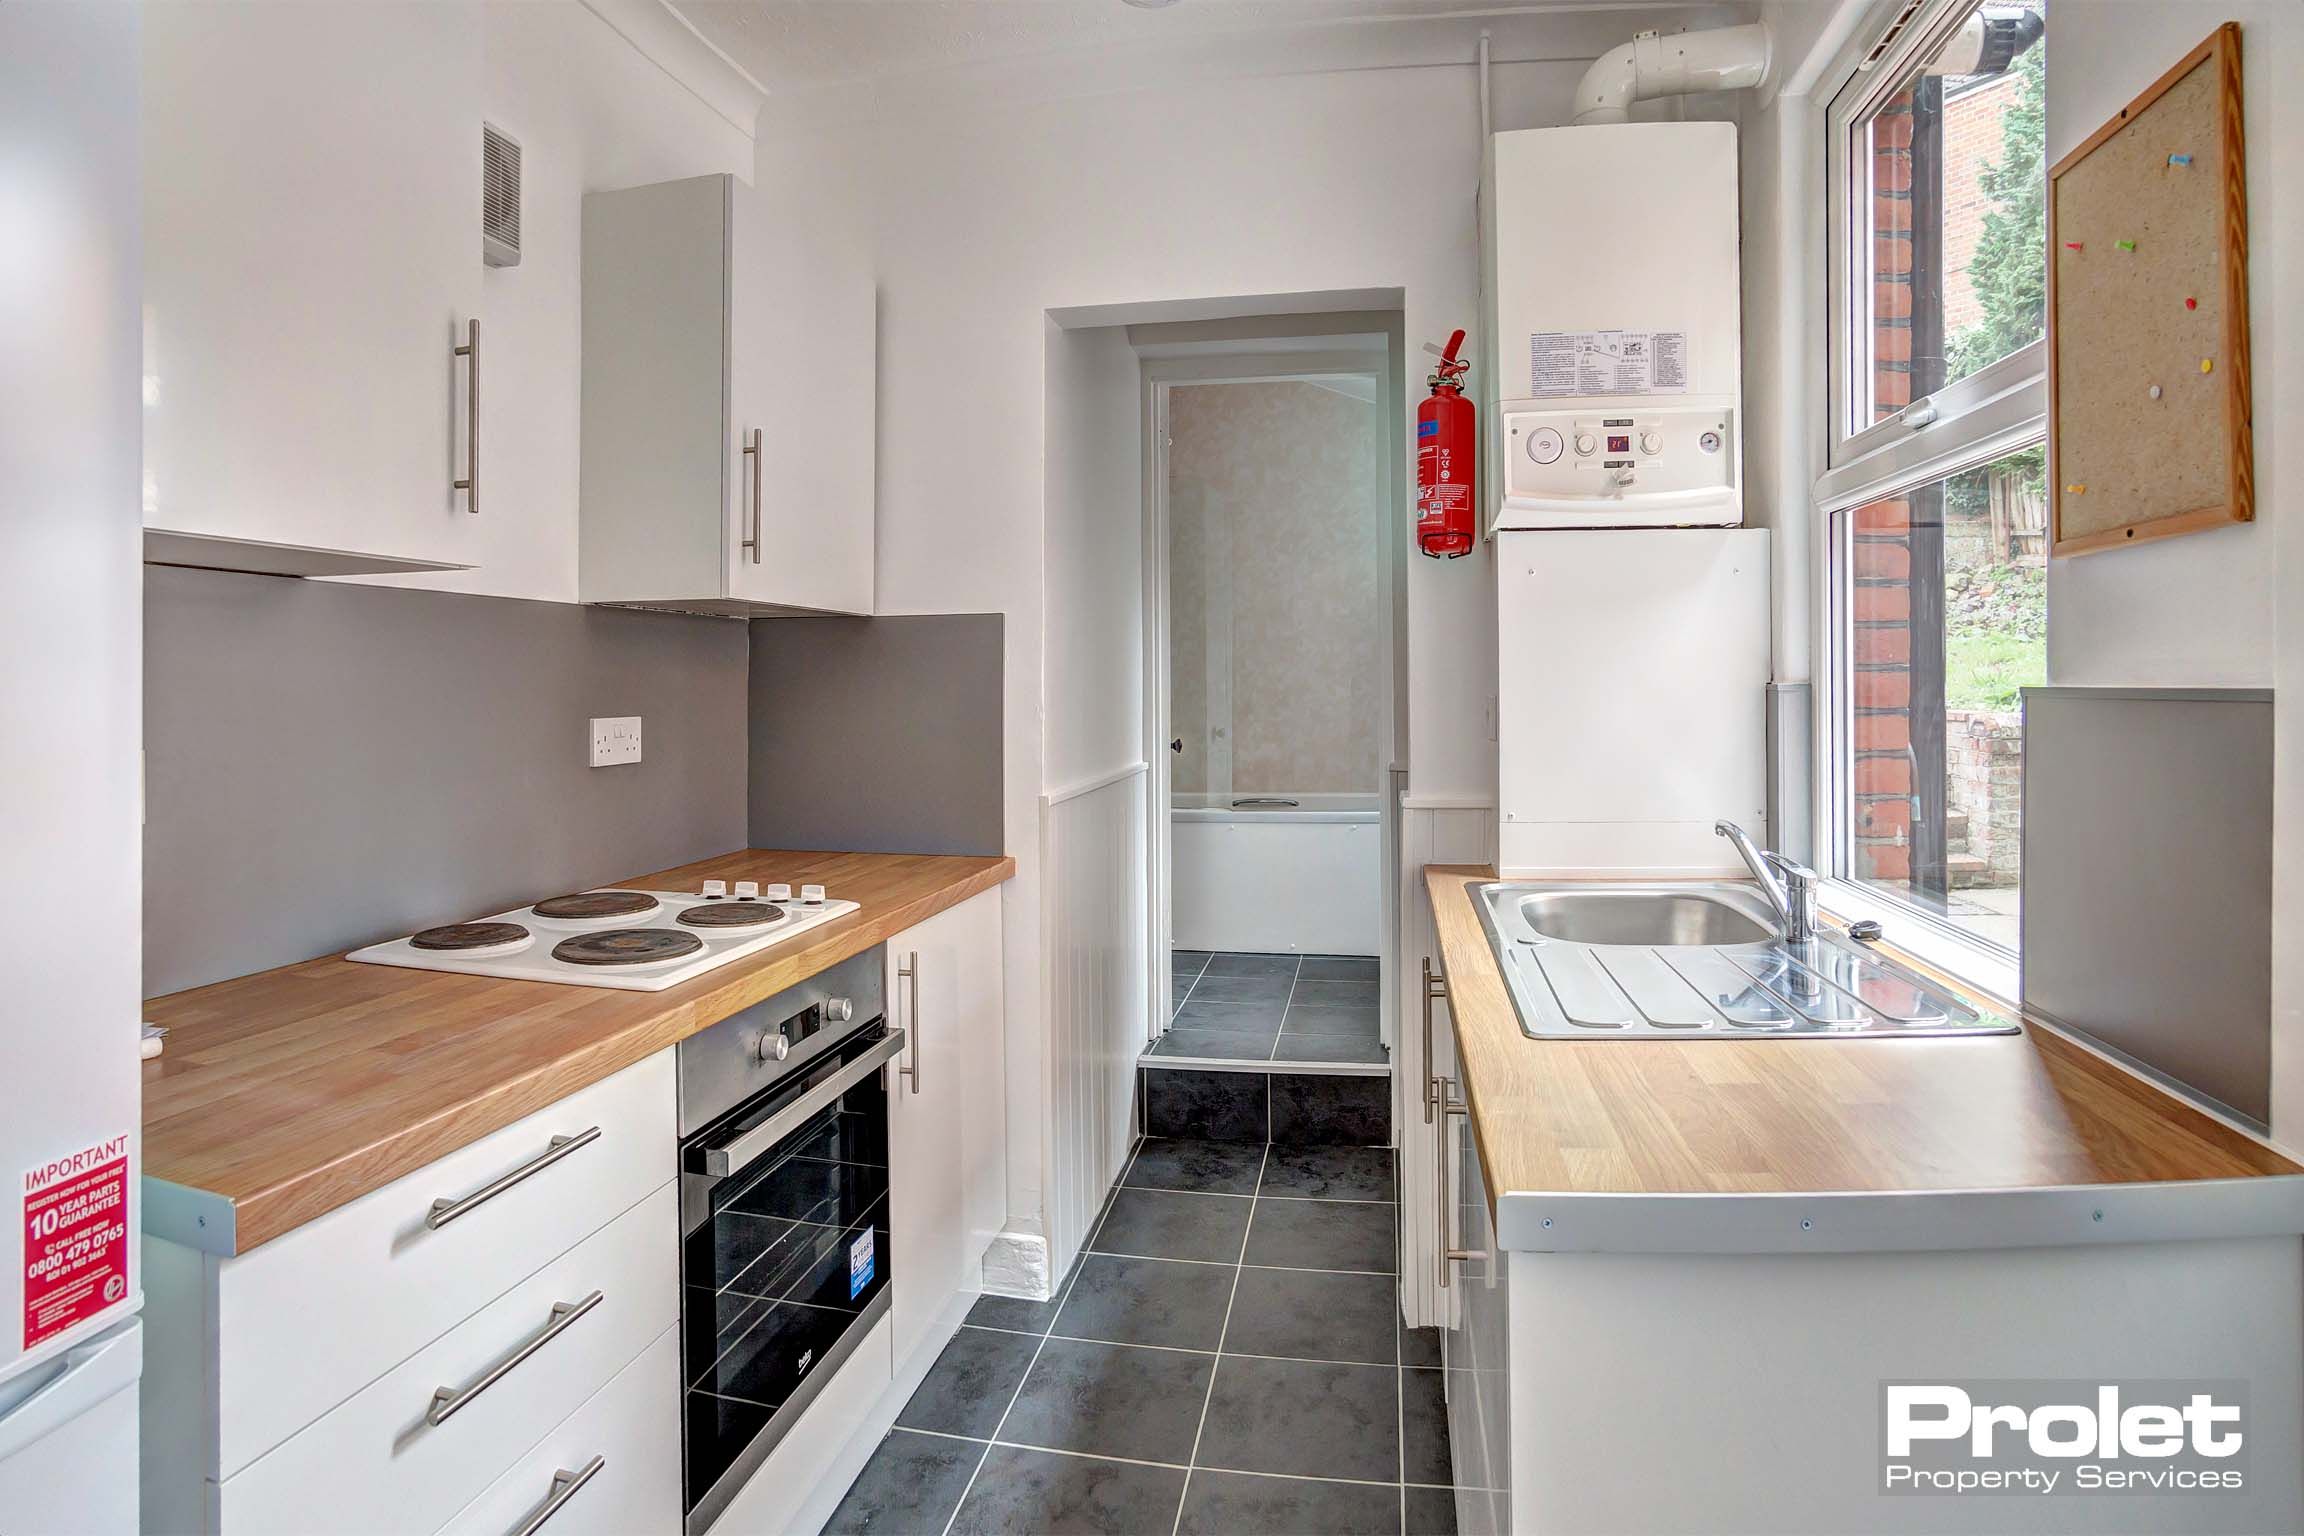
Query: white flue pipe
x=1679, y=64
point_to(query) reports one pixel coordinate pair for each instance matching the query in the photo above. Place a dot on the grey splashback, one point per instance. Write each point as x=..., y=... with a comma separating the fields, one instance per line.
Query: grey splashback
x=2147, y=905
x=328, y=765
x=877, y=735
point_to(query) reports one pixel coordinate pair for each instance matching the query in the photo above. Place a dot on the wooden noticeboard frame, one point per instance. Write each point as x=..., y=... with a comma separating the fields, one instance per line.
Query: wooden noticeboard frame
x=2149, y=429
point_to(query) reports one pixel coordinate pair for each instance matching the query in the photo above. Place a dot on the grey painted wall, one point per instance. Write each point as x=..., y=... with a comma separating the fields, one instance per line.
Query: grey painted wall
x=328, y=765
x=877, y=735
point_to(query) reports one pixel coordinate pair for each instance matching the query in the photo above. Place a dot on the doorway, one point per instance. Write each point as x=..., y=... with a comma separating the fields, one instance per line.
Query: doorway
x=1272, y=487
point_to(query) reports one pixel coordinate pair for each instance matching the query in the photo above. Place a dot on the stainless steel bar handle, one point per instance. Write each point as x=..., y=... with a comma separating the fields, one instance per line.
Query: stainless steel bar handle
x=1435, y=988
x=470, y=484
x=1450, y=1254
x=908, y=972
x=752, y=452
x=449, y=1401
x=564, y=1486
x=446, y=1211
x=720, y=1162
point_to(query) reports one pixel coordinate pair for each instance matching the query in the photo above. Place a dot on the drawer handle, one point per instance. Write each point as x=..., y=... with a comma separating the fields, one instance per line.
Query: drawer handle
x=449, y=1401
x=446, y=1211
x=564, y=1486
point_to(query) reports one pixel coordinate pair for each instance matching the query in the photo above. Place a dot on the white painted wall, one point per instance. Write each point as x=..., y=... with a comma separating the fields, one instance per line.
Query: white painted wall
x=2204, y=610
x=1093, y=689
x=993, y=209
x=591, y=112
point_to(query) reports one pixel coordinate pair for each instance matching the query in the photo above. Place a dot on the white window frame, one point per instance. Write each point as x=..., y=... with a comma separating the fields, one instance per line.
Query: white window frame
x=1996, y=411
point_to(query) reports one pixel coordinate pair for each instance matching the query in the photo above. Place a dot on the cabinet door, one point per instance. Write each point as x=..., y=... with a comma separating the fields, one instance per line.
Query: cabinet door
x=312, y=253
x=801, y=374
x=937, y=985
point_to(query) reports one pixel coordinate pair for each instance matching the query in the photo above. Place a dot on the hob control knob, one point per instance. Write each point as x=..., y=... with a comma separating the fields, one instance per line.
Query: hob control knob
x=747, y=890
x=775, y=1047
x=811, y=895
x=839, y=1010
x=715, y=888
x=779, y=893
x=1651, y=442
x=1586, y=443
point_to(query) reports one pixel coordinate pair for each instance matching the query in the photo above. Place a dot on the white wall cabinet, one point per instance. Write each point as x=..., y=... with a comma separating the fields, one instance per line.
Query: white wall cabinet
x=728, y=405
x=312, y=257
x=945, y=1174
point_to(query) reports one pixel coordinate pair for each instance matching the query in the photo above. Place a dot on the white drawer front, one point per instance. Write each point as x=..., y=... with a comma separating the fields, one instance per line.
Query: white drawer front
x=632, y=1427
x=377, y=1464
x=311, y=1317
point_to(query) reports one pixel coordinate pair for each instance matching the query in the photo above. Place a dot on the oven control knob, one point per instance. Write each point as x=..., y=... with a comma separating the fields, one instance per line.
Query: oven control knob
x=839, y=1010
x=775, y=1047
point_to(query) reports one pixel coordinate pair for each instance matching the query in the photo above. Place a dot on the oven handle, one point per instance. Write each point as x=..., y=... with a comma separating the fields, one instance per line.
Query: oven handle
x=719, y=1162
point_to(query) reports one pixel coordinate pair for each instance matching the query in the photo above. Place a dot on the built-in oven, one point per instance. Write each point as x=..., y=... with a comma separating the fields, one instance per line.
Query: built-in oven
x=784, y=1258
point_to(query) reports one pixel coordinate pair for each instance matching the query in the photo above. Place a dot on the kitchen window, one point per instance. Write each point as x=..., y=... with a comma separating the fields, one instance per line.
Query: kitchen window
x=1935, y=495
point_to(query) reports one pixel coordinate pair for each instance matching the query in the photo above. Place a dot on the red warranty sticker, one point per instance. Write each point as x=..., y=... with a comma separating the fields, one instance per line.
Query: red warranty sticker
x=75, y=1238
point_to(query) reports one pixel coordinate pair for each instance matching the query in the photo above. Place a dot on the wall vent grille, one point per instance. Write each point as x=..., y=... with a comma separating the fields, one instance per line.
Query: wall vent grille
x=499, y=197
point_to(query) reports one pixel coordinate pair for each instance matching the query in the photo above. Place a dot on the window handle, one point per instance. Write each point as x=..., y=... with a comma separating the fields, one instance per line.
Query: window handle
x=1919, y=413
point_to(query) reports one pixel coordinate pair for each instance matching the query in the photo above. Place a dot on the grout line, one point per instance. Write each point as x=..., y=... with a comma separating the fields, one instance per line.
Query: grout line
x=1217, y=1365
x=1275, y=1054
x=1176, y=1466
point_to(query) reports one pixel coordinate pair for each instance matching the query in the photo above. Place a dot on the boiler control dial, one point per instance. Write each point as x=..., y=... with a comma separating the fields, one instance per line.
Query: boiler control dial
x=1586, y=443
x=1544, y=445
x=1651, y=442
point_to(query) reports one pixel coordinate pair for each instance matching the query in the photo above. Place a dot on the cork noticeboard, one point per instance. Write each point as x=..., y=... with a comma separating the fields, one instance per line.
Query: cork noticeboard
x=2148, y=400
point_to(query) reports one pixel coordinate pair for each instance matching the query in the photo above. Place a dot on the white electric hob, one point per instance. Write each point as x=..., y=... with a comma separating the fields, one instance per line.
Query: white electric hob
x=637, y=941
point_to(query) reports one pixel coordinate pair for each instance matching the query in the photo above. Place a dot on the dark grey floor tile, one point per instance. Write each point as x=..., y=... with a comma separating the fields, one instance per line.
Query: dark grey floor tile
x=1351, y=1050
x=1207, y=1167
x=1431, y=1512
x=1236, y=1504
x=1329, y=1173
x=1109, y=1400
x=1339, y=968
x=1148, y=1301
x=1251, y=965
x=1419, y=1346
x=1197, y=1013
x=1424, y=1428
x=1341, y=994
x=1242, y=989
x=1305, y=1316
x=967, y=1389
x=1304, y=1420
x=1217, y=1044
x=1322, y=1234
x=1013, y=1313
x=1333, y=1019
x=1188, y=959
x=909, y=1487
x=1331, y=1110
x=1162, y=1224
x=1208, y=1106
x=1034, y=1491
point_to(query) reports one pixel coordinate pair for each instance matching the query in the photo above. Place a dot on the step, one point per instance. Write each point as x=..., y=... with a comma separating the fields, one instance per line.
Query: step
x=1965, y=871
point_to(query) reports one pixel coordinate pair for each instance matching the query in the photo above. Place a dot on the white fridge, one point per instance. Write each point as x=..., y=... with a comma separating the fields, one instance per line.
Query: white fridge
x=71, y=627
x=1632, y=678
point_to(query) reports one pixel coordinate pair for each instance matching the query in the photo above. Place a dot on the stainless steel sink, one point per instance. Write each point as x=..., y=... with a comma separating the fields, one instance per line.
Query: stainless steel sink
x=1699, y=960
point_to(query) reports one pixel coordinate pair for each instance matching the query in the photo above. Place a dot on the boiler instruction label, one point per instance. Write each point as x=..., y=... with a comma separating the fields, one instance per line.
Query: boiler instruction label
x=75, y=1238
x=1567, y=364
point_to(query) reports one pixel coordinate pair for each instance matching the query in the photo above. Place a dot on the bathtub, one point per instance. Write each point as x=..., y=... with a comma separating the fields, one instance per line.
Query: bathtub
x=1263, y=878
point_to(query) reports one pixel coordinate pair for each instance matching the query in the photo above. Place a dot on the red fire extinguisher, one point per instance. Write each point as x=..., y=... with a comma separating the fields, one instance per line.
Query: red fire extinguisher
x=1445, y=451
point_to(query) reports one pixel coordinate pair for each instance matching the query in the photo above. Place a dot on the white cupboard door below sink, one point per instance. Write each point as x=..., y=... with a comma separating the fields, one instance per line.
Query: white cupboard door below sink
x=312, y=256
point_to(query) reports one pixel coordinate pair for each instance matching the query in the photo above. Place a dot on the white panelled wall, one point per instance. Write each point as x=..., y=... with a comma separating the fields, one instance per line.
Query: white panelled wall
x=1092, y=846
x=1432, y=831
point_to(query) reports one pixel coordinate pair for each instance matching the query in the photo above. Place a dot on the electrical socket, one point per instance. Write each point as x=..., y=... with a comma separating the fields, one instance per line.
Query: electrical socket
x=615, y=739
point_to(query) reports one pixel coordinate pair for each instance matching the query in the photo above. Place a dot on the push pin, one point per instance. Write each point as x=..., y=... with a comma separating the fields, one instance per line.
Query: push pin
x=2179, y=159
x=2154, y=391
x=2075, y=490
x=2072, y=245
x=2126, y=245
x=2191, y=303
x=2207, y=365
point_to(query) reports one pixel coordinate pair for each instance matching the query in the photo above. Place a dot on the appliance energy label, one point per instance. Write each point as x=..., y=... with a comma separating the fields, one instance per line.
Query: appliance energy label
x=1564, y=364
x=75, y=1238
x=860, y=1264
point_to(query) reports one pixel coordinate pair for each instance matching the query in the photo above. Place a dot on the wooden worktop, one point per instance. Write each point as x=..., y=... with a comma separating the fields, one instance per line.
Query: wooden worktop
x=1640, y=1117
x=293, y=1091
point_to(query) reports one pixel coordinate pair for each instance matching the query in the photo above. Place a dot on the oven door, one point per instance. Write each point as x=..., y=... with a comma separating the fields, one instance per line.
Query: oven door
x=784, y=1257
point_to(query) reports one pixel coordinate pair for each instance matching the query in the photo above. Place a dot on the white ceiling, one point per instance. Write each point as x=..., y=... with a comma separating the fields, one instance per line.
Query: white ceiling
x=798, y=45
